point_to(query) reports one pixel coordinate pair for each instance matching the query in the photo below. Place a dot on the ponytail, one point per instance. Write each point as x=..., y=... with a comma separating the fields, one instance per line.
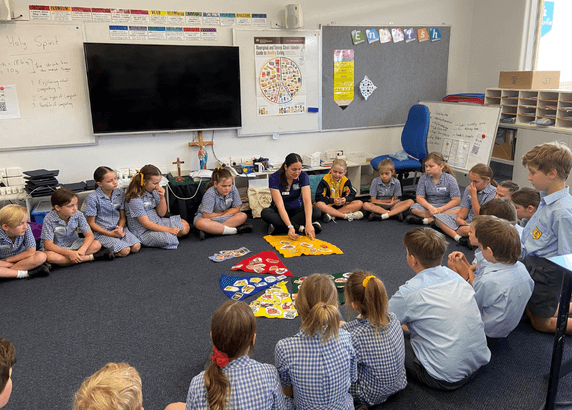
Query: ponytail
x=136, y=188
x=322, y=318
x=439, y=159
x=233, y=327
x=369, y=296
x=218, y=175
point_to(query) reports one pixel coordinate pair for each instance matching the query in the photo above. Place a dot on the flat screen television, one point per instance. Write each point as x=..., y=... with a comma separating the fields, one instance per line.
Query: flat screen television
x=147, y=88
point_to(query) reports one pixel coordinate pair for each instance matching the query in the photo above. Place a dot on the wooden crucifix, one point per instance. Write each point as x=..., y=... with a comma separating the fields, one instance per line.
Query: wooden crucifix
x=203, y=157
x=179, y=177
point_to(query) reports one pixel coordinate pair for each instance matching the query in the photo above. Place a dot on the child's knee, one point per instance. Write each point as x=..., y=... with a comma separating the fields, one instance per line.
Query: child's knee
x=40, y=257
x=136, y=248
x=95, y=246
x=123, y=252
x=543, y=324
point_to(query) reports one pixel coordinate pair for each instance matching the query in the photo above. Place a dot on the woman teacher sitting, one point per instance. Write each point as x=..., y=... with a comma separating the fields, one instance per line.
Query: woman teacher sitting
x=291, y=209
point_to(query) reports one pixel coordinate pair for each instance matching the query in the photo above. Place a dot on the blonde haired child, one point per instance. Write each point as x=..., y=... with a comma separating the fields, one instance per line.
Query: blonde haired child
x=482, y=188
x=377, y=338
x=318, y=364
x=18, y=255
x=105, y=214
x=62, y=244
x=335, y=196
x=145, y=206
x=115, y=386
x=437, y=191
x=233, y=380
x=219, y=211
x=384, y=192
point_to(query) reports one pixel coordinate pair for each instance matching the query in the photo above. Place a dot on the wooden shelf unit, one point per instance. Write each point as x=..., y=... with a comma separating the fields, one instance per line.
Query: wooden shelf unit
x=525, y=107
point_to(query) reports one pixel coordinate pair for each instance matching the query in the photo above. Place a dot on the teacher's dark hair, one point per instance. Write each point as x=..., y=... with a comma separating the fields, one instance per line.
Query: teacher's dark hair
x=290, y=159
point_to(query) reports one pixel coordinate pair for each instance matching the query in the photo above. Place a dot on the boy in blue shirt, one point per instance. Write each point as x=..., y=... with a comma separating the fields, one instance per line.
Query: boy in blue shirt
x=447, y=342
x=502, y=286
x=549, y=231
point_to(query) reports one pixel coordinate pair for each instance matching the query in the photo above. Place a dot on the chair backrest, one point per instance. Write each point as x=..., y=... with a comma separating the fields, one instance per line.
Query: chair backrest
x=414, y=134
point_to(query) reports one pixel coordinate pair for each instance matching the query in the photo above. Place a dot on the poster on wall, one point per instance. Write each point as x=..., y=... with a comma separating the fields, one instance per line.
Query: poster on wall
x=279, y=62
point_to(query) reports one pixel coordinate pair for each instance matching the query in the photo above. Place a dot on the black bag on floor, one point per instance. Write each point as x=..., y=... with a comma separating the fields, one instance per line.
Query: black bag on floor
x=185, y=197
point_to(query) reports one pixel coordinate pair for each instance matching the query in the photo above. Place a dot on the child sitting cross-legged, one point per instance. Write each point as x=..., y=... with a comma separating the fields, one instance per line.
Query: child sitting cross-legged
x=445, y=344
x=335, y=196
x=377, y=339
x=18, y=255
x=502, y=286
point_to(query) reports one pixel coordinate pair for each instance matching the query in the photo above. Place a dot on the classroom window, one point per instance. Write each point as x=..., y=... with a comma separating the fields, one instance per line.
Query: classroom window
x=552, y=38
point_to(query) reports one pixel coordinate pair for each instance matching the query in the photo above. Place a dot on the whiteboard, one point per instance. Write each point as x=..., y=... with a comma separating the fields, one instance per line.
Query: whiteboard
x=252, y=123
x=464, y=133
x=45, y=64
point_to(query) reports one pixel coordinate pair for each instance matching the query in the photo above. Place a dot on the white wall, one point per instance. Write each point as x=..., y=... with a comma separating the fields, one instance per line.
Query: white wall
x=466, y=74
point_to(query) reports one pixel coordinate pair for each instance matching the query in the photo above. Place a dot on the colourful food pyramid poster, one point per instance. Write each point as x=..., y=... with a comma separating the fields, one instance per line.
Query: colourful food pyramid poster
x=276, y=303
x=302, y=246
x=264, y=262
x=339, y=279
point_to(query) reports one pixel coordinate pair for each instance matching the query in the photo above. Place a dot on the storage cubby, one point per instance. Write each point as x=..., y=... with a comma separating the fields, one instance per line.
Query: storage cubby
x=527, y=107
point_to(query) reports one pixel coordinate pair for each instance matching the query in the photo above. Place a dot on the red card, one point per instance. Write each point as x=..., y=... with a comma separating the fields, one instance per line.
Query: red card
x=264, y=262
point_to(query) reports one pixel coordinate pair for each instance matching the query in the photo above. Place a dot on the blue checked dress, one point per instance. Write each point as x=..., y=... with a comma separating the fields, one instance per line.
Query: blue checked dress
x=145, y=206
x=253, y=385
x=213, y=202
x=20, y=244
x=484, y=195
x=64, y=235
x=320, y=373
x=106, y=212
x=438, y=194
x=380, y=360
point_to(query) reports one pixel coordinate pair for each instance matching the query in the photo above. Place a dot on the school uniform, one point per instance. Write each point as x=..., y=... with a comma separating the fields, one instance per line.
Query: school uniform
x=548, y=233
x=484, y=195
x=329, y=189
x=320, y=373
x=502, y=292
x=214, y=202
x=106, y=213
x=253, y=385
x=20, y=244
x=380, y=360
x=145, y=206
x=64, y=235
x=293, y=203
x=381, y=191
x=447, y=342
x=437, y=194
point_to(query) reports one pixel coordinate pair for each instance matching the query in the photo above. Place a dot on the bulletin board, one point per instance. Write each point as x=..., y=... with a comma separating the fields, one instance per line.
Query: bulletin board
x=44, y=64
x=464, y=133
x=254, y=124
x=403, y=72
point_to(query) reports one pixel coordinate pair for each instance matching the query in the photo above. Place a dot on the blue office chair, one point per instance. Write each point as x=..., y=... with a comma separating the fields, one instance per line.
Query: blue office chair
x=413, y=141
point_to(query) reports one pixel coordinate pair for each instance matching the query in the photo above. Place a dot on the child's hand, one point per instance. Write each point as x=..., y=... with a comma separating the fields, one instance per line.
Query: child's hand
x=117, y=232
x=160, y=191
x=433, y=210
x=292, y=234
x=472, y=190
x=75, y=257
x=174, y=230
x=338, y=201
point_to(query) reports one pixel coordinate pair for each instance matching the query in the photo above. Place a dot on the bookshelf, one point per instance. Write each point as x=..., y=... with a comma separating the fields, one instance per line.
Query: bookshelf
x=526, y=107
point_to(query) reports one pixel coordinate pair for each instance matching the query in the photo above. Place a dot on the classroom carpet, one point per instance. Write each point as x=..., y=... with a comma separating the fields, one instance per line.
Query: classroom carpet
x=152, y=310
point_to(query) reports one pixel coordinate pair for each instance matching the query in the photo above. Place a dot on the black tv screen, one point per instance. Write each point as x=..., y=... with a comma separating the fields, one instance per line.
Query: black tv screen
x=135, y=88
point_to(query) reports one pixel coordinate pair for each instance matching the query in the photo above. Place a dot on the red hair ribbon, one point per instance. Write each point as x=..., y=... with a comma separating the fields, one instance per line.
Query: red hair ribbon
x=220, y=357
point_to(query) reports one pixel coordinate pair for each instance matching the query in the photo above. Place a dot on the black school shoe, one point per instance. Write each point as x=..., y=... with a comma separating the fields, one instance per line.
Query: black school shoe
x=244, y=228
x=38, y=272
x=414, y=220
x=317, y=227
x=104, y=254
x=465, y=242
x=374, y=217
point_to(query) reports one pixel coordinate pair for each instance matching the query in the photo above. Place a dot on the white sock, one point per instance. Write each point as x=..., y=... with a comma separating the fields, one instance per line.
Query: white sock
x=346, y=216
x=301, y=229
x=228, y=230
x=457, y=237
x=22, y=274
x=425, y=221
x=91, y=257
x=385, y=215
